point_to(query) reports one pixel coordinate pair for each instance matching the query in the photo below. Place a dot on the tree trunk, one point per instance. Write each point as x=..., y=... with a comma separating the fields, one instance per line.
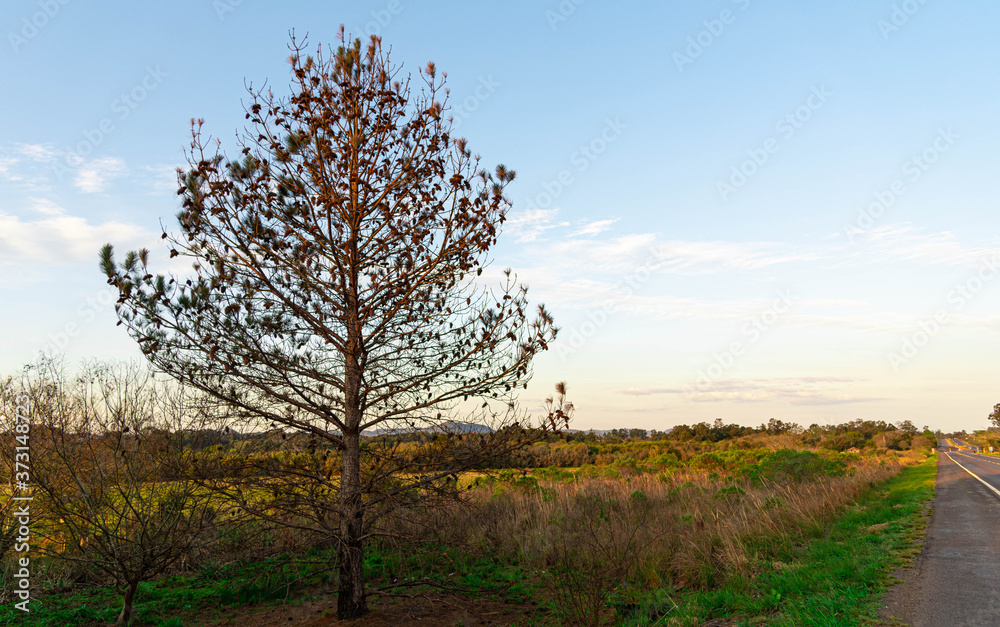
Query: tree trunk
x=351, y=601
x=126, y=614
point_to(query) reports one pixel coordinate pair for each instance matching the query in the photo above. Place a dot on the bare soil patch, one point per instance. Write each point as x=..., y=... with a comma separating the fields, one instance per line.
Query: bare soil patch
x=431, y=610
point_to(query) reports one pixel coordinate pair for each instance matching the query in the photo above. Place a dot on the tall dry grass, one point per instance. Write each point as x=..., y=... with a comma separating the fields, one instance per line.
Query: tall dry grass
x=594, y=538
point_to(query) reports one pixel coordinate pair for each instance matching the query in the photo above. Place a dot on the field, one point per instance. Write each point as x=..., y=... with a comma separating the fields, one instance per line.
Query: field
x=624, y=528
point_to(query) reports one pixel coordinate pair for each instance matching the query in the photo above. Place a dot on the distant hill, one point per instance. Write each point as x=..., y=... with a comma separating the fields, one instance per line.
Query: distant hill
x=451, y=426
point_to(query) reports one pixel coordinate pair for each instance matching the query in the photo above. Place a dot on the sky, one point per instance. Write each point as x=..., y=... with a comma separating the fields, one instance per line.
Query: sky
x=734, y=209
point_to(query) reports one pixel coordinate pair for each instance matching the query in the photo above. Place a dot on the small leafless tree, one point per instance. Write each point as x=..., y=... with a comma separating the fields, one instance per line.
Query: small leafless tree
x=109, y=468
x=12, y=405
x=337, y=286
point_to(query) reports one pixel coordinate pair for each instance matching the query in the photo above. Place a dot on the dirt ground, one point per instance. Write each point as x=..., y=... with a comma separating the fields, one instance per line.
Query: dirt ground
x=427, y=610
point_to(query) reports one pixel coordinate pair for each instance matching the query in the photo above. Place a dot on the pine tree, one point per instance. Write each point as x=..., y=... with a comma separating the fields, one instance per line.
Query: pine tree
x=338, y=280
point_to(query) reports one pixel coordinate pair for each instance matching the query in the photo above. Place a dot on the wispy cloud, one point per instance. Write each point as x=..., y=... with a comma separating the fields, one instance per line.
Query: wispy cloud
x=653, y=391
x=582, y=248
x=792, y=390
x=594, y=228
x=692, y=308
x=59, y=238
x=906, y=243
x=162, y=178
x=624, y=253
x=530, y=225
x=40, y=153
x=46, y=207
x=6, y=163
x=692, y=258
x=93, y=176
x=616, y=254
x=26, y=165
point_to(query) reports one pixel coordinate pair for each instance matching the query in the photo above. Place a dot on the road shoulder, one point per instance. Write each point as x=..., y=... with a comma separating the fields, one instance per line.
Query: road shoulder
x=954, y=580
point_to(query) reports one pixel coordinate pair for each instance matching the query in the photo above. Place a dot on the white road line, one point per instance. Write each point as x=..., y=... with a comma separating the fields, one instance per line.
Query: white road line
x=979, y=459
x=973, y=474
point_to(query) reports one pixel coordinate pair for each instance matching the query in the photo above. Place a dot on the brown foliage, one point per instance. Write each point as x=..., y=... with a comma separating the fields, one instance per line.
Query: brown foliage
x=335, y=291
x=593, y=536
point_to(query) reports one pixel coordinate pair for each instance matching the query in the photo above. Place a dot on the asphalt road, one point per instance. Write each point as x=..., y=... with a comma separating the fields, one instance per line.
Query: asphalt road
x=955, y=582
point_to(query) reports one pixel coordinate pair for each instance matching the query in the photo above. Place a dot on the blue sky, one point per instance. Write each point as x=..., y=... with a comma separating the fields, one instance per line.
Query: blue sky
x=735, y=209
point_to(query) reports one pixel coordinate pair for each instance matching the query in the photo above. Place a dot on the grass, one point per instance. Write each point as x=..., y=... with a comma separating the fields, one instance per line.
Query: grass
x=837, y=578
x=450, y=567
x=166, y=601
x=213, y=589
x=732, y=547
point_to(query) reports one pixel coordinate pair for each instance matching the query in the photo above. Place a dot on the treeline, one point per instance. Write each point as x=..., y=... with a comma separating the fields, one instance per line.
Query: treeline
x=622, y=446
x=719, y=431
x=235, y=455
x=988, y=440
x=241, y=455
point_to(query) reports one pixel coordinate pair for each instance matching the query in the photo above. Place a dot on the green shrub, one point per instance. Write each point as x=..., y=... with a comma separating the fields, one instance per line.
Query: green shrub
x=731, y=491
x=788, y=465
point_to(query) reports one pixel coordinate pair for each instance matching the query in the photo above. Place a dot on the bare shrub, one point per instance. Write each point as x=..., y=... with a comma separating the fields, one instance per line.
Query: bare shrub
x=598, y=543
x=108, y=464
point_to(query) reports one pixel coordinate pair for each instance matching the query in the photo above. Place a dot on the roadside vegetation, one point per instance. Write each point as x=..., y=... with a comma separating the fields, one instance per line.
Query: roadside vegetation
x=777, y=522
x=985, y=440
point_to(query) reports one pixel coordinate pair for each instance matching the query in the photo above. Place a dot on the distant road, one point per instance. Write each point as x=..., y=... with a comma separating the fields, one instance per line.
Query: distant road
x=944, y=446
x=955, y=581
x=986, y=467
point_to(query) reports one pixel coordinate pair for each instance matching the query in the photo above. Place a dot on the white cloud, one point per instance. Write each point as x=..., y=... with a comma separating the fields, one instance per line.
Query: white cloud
x=59, y=238
x=793, y=390
x=583, y=273
x=38, y=152
x=626, y=254
x=530, y=225
x=93, y=177
x=620, y=254
x=46, y=207
x=594, y=228
x=674, y=308
x=27, y=165
x=5, y=165
x=164, y=178
x=690, y=258
x=906, y=243
x=609, y=260
x=575, y=272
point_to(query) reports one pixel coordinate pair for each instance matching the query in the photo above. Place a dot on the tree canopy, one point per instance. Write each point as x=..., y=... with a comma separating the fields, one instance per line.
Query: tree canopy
x=338, y=280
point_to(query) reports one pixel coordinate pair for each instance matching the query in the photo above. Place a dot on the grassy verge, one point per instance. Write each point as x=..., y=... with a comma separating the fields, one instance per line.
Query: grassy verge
x=808, y=574
x=214, y=590
x=837, y=579
x=207, y=592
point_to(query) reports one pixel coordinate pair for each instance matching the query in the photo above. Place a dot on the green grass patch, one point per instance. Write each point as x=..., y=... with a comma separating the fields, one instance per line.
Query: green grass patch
x=452, y=568
x=214, y=588
x=167, y=601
